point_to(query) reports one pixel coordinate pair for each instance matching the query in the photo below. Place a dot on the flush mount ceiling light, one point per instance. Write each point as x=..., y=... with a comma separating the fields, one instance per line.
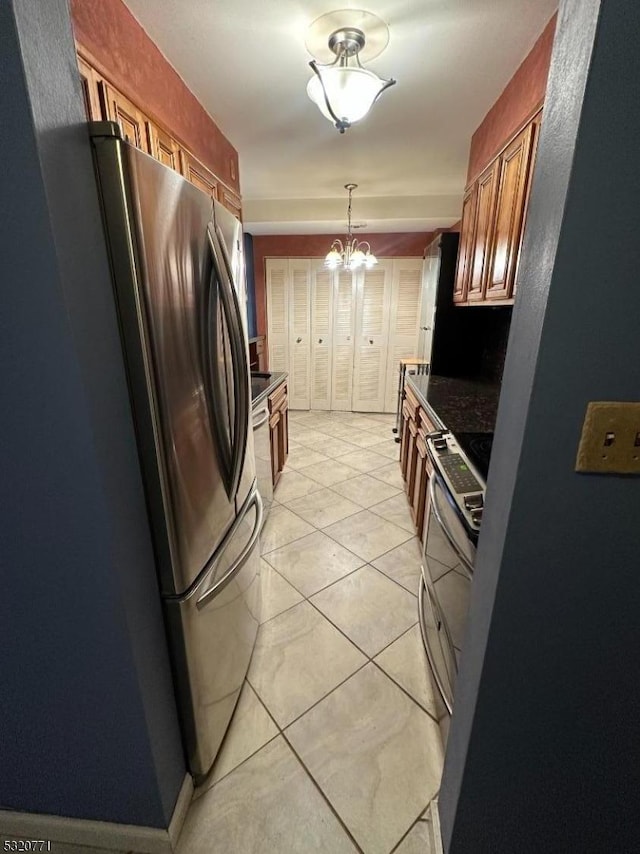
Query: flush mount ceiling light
x=353, y=253
x=343, y=90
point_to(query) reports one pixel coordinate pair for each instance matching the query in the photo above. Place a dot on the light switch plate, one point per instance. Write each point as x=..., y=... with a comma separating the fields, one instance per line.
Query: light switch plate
x=610, y=441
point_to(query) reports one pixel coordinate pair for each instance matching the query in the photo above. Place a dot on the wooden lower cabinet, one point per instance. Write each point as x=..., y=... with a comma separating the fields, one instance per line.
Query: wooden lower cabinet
x=421, y=485
x=278, y=403
x=414, y=459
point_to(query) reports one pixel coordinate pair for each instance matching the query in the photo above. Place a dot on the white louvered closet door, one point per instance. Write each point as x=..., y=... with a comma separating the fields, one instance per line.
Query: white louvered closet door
x=321, y=334
x=404, y=321
x=344, y=314
x=277, y=270
x=299, y=333
x=372, y=331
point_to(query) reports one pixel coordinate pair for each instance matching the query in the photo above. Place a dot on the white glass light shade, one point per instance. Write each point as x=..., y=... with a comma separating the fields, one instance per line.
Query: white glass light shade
x=357, y=259
x=333, y=258
x=351, y=91
x=370, y=261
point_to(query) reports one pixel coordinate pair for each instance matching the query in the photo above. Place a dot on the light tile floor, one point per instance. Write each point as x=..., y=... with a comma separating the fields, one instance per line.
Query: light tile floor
x=334, y=746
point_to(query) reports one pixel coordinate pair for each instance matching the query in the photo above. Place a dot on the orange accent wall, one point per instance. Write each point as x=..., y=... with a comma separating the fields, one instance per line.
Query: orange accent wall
x=522, y=94
x=133, y=63
x=394, y=245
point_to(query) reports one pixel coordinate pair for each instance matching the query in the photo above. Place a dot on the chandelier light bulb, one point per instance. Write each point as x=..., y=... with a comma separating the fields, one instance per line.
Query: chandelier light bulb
x=357, y=258
x=370, y=260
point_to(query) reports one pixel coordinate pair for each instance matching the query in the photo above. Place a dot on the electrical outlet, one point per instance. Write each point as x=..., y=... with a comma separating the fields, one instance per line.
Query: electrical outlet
x=610, y=441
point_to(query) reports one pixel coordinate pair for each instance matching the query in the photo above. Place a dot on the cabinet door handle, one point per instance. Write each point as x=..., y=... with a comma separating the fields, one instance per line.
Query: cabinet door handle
x=298, y=340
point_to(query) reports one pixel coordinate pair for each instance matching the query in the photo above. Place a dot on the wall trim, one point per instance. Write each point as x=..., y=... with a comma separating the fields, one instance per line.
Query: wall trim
x=101, y=837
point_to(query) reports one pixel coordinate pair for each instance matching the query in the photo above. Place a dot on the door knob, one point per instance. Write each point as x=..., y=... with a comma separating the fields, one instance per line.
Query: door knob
x=370, y=340
x=319, y=340
x=298, y=340
x=425, y=328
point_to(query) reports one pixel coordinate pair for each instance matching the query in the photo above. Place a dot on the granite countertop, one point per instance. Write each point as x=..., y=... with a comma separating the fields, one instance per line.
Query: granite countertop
x=459, y=405
x=263, y=384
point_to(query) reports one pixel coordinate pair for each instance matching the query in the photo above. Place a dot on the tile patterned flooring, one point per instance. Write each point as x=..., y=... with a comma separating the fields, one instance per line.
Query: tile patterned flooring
x=334, y=745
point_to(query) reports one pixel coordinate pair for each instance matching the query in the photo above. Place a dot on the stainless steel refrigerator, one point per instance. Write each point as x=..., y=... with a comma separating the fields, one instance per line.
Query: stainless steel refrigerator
x=177, y=263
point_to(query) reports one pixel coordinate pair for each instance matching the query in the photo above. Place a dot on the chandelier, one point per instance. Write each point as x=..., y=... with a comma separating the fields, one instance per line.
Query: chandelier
x=343, y=90
x=353, y=253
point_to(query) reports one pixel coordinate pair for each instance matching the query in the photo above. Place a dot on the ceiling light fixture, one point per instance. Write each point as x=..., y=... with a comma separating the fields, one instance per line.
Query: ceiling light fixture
x=353, y=253
x=343, y=90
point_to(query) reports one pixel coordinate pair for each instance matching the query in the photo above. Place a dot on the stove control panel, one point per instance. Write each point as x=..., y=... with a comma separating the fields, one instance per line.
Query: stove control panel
x=461, y=477
x=463, y=481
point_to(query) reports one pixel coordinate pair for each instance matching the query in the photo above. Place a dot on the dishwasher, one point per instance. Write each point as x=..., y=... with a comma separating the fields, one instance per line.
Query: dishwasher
x=262, y=448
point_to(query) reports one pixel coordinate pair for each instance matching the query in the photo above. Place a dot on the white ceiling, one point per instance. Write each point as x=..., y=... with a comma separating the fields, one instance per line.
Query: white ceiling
x=246, y=61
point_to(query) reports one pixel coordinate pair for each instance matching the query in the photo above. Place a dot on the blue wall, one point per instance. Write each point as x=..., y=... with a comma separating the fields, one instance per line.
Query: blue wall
x=543, y=751
x=88, y=725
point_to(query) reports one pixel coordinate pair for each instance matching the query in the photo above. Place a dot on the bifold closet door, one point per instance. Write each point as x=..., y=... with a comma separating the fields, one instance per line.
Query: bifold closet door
x=404, y=320
x=344, y=314
x=277, y=275
x=299, y=333
x=322, y=282
x=373, y=296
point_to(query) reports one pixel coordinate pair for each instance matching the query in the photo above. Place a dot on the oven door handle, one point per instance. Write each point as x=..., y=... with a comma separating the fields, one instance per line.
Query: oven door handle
x=443, y=525
x=262, y=420
x=422, y=589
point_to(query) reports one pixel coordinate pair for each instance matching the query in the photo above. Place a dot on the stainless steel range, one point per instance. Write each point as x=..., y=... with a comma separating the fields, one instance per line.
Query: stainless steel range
x=454, y=514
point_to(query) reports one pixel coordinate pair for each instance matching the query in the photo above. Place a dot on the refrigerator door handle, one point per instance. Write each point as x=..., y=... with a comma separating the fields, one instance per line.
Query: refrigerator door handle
x=242, y=399
x=243, y=557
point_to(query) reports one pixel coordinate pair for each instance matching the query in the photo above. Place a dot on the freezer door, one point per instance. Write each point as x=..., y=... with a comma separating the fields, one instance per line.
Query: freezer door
x=213, y=632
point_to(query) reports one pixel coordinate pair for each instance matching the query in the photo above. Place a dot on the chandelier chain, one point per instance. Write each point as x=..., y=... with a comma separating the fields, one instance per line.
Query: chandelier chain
x=353, y=253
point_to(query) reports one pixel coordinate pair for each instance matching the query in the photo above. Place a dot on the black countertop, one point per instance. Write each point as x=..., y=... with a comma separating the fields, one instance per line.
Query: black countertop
x=263, y=384
x=459, y=405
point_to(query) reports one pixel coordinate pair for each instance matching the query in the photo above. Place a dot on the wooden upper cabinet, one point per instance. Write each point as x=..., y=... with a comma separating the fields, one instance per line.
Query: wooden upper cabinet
x=485, y=204
x=90, y=94
x=465, y=252
x=198, y=174
x=121, y=110
x=535, y=124
x=231, y=201
x=163, y=147
x=513, y=182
